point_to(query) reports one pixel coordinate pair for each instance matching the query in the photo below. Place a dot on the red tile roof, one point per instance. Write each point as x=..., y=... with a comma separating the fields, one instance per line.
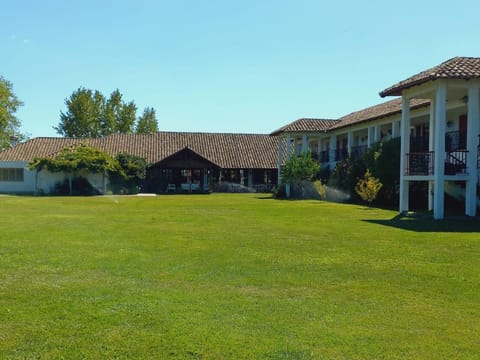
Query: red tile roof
x=379, y=111
x=306, y=125
x=229, y=151
x=456, y=68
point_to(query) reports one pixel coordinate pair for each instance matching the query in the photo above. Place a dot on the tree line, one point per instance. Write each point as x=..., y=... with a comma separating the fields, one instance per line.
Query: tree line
x=90, y=114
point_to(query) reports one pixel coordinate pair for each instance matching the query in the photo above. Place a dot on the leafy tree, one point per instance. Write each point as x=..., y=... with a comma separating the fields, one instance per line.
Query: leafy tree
x=297, y=170
x=118, y=116
x=147, y=123
x=300, y=168
x=90, y=114
x=367, y=187
x=132, y=171
x=73, y=159
x=9, y=123
x=85, y=108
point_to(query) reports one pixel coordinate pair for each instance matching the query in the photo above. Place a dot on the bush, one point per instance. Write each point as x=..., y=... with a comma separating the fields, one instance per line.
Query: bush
x=80, y=187
x=367, y=187
x=321, y=189
x=383, y=160
x=130, y=175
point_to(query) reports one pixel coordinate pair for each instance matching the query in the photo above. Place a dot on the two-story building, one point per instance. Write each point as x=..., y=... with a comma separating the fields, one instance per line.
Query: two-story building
x=437, y=118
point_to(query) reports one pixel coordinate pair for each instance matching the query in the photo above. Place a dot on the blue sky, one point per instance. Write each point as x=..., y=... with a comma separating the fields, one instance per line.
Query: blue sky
x=225, y=66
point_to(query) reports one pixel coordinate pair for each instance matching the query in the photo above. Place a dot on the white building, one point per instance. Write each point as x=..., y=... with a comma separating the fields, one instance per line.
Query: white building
x=437, y=118
x=436, y=114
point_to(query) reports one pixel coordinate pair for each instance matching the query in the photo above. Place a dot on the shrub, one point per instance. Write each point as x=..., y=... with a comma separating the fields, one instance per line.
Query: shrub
x=80, y=187
x=321, y=189
x=298, y=170
x=128, y=178
x=383, y=160
x=367, y=187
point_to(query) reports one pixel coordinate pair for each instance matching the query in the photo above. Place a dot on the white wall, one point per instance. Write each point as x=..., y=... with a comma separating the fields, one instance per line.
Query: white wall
x=45, y=180
x=25, y=186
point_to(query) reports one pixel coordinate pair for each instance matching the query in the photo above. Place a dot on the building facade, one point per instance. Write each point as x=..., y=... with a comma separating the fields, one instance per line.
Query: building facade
x=435, y=113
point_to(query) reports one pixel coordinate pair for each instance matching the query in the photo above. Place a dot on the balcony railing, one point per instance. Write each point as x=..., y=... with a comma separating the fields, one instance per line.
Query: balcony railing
x=456, y=162
x=419, y=163
x=478, y=155
x=356, y=152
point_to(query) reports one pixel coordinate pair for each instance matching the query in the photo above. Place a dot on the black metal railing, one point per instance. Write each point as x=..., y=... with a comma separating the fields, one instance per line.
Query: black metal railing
x=419, y=163
x=478, y=155
x=456, y=162
x=357, y=152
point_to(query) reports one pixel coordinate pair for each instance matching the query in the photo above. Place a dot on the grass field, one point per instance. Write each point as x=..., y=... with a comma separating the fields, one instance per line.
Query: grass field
x=233, y=276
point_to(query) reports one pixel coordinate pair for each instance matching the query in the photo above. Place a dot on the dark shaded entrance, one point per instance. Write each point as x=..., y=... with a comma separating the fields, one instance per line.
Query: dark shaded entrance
x=183, y=172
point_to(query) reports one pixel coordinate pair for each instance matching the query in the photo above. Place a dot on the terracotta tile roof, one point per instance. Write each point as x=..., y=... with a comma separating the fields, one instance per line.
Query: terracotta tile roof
x=379, y=111
x=306, y=125
x=457, y=68
x=39, y=147
x=249, y=151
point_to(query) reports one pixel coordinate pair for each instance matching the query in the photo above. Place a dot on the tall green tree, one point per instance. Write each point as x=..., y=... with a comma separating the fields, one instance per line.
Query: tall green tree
x=85, y=109
x=90, y=114
x=9, y=123
x=118, y=116
x=147, y=123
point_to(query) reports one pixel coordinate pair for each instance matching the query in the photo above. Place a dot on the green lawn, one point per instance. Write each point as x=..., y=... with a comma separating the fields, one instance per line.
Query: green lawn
x=233, y=276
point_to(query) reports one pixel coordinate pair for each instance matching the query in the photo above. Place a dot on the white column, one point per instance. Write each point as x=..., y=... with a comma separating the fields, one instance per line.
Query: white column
x=296, y=148
x=280, y=159
x=304, y=143
x=250, y=179
x=349, y=142
x=472, y=143
x=288, y=150
x=431, y=137
x=439, y=156
x=287, y=186
x=395, y=129
x=377, y=133
x=404, y=149
x=370, y=136
x=333, y=150
x=205, y=179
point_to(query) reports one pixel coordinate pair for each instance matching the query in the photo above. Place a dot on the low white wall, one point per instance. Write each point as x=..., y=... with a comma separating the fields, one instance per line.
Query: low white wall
x=45, y=181
x=18, y=187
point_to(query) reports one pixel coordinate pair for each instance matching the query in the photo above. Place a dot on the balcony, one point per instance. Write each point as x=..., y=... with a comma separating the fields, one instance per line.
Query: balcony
x=456, y=162
x=419, y=163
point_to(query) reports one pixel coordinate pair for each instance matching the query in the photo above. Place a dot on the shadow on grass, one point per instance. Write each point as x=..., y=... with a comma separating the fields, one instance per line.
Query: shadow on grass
x=425, y=223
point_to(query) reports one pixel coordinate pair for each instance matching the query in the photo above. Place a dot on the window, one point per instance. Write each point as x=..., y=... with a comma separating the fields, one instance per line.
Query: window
x=11, y=174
